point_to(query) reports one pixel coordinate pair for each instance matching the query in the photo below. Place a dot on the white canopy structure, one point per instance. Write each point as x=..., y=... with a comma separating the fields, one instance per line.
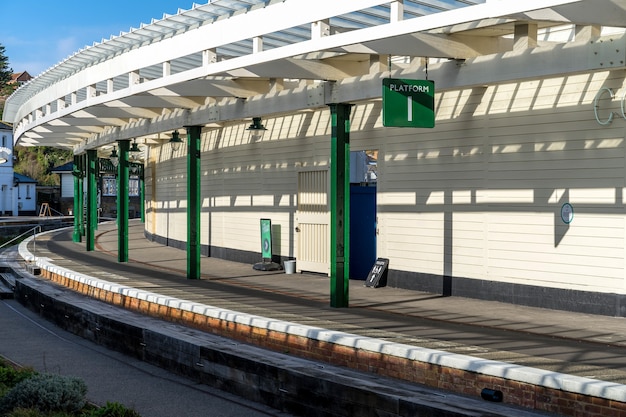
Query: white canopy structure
x=235, y=59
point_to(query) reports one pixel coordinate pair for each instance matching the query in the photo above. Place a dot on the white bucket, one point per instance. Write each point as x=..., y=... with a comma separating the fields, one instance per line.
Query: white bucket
x=290, y=267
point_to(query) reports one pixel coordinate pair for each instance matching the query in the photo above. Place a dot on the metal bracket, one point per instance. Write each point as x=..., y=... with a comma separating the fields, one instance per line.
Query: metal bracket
x=608, y=52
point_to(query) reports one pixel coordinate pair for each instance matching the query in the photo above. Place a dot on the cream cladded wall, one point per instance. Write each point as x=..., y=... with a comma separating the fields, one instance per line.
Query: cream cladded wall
x=479, y=196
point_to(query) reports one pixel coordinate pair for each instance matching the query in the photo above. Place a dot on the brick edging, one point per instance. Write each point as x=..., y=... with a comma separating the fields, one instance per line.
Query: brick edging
x=521, y=386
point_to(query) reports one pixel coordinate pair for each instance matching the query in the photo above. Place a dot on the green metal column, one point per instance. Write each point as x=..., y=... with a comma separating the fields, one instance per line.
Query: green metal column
x=77, y=173
x=122, y=201
x=83, y=195
x=339, y=204
x=193, y=202
x=92, y=198
x=83, y=202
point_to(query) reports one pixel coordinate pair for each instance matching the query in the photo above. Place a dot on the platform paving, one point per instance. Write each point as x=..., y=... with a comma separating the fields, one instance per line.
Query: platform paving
x=581, y=345
x=528, y=336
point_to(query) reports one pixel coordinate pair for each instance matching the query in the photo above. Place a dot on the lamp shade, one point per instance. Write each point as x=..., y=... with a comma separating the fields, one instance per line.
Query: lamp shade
x=134, y=147
x=176, y=141
x=114, y=158
x=256, y=129
x=256, y=125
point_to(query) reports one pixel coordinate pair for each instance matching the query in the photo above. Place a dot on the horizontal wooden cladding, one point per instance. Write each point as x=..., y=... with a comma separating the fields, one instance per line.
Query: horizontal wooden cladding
x=479, y=195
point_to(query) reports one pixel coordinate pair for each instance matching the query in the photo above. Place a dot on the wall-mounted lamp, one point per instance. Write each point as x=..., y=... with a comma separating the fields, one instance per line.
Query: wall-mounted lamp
x=176, y=141
x=3, y=158
x=114, y=158
x=256, y=129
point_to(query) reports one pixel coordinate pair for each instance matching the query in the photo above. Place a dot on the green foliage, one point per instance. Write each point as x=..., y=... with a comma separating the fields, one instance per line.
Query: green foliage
x=9, y=377
x=31, y=412
x=114, y=410
x=23, y=412
x=46, y=392
x=36, y=162
x=6, y=89
x=25, y=393
x=5, y=71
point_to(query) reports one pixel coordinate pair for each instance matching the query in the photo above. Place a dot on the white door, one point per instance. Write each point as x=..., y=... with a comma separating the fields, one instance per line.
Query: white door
x=313, y=222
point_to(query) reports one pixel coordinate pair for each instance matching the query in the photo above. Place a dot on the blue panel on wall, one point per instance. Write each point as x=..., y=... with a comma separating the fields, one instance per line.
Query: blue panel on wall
x=362, y=230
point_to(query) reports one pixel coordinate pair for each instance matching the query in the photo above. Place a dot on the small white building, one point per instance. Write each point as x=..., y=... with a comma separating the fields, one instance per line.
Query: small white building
x=18, y=193
x=8, y=190
x=26, y=195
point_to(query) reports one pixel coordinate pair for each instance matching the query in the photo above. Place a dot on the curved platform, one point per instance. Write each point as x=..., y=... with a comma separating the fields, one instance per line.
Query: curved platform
x=538, y=358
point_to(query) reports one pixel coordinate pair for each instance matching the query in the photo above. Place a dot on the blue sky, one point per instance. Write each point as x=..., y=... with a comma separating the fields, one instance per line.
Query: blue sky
x=41, y=33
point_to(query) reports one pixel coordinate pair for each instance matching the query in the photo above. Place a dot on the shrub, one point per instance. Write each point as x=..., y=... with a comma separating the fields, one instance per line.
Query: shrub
x=23, y=412
x=9, y=376
x=46, y=392
x=31, y=412
x=114, y=410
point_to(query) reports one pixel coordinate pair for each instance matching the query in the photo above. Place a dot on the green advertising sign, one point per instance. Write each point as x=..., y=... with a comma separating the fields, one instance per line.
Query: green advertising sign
x=266, y=239
x=408, y=103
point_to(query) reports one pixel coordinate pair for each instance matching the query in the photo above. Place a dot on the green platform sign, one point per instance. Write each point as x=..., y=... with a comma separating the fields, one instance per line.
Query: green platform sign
x=408, y=103
x=266, y=239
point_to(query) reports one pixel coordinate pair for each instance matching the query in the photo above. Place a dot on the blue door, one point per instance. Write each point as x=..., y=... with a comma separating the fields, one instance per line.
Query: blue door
x=362, y=230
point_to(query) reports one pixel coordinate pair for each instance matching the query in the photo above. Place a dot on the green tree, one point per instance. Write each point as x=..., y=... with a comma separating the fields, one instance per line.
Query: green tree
x=5, y=71
x=36, y=162
x=6, y=89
